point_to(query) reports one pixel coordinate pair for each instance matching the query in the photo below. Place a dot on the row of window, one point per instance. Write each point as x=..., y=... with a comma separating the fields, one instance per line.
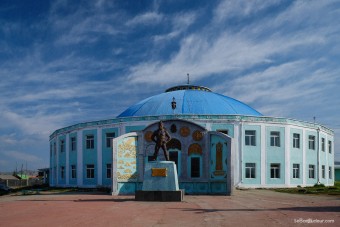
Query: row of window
x=89, y=143
x=89, y=171
x=250, y=171
x=250, y=140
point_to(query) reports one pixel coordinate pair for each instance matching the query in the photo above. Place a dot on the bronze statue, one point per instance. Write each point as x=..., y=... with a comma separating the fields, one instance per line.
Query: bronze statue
x=161, y=137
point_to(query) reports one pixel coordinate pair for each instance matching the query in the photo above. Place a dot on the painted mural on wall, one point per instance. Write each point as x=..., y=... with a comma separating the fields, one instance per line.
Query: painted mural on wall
x=127, y=159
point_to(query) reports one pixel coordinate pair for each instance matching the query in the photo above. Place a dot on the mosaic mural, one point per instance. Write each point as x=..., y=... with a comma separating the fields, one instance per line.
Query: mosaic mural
x=126, y=159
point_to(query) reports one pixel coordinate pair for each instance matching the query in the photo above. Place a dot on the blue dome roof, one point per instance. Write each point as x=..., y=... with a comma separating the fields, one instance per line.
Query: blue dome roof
x=189, y=100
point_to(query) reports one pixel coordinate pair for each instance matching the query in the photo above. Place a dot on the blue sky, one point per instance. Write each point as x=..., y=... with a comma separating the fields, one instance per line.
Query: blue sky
x=64, y=62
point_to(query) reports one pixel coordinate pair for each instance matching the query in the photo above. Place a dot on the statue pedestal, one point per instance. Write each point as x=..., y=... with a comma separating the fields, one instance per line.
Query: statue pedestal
x=160, y=183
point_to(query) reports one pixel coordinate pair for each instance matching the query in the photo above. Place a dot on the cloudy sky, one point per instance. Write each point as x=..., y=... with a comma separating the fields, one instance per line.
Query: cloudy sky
x=64, y=62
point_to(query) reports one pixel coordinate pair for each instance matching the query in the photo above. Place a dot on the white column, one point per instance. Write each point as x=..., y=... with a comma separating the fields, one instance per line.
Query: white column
x=121, y=129
x=236, y=154
x=99, y=157
x=67, y=167
x=304, y=175
x=57, y=160
x=326, y=160
x=240, y=167
x=263, y=154
x=287, y=155
x=80, y=158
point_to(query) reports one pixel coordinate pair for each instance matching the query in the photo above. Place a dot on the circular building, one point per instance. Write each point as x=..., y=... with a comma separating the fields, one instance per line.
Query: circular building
x=218, y=143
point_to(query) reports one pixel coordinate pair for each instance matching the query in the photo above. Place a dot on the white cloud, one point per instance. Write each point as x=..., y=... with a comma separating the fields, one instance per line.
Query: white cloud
x=241, y=8
x=180, y=23
x=148, y=18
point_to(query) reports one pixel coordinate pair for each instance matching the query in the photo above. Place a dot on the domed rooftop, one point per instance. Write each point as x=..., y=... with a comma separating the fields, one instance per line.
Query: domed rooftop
x=189, y=99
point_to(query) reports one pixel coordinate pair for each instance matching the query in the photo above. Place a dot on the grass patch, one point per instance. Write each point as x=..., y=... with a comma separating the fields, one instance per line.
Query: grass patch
x=316, y=189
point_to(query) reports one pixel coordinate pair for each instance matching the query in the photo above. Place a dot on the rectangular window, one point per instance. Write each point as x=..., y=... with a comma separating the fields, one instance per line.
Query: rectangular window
x=329, y=146
x=275, y=139
x=108, y=171
x=250, y=170
x=195, y=167
x=62, y=145
x=62, y=172
x=323, y=144
x=296, y=140
x=73, y=172
x=311, y=142
x=275, y=170
x=250, y=137
x=296, y=171
x=223, y=131
x=109, y=138
x=90, y=171
x=323, y=171
x=89, y=142
x=73, y=143
x=330, y=173
x=311, y=171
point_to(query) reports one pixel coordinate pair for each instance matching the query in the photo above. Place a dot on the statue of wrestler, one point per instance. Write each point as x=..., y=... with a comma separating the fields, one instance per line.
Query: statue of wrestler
x=161, y=137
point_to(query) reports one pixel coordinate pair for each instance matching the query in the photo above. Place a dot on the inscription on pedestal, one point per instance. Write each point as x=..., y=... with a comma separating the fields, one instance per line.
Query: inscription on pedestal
x=158, y=172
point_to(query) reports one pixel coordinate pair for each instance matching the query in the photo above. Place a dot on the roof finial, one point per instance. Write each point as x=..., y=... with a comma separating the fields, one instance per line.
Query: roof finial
x=188, y=78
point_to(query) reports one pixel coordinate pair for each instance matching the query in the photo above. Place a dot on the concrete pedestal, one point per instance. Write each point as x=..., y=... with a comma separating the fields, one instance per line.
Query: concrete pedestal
x=160, y=183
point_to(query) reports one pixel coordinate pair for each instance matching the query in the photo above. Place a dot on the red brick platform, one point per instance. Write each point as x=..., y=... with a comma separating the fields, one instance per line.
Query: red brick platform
x=244, y=208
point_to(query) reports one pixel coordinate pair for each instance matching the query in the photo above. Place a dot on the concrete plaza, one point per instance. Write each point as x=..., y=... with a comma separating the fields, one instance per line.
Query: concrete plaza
x=244, y=208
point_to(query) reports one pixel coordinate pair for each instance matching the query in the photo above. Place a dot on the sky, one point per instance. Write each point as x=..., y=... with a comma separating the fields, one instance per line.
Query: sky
x=65, y=62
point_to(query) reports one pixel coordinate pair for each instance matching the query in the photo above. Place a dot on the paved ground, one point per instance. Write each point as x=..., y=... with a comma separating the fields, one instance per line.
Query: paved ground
x=244, y=208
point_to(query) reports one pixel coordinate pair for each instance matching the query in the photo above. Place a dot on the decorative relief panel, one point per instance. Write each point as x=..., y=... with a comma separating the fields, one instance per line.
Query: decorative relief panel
x=197, y=135
x=148, y=135
x=219, y=160
x=185, y=131
x=126, y=159
x=195, y=148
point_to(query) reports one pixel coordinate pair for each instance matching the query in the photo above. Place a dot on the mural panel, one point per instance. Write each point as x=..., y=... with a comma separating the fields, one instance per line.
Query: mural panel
x=127, y=159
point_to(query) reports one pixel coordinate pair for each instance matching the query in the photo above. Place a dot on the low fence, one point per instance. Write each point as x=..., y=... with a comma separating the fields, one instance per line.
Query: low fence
x=13, y=183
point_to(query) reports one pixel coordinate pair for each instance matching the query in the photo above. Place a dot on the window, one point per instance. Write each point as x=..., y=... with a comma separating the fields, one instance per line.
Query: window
x=73, y=143
x=329, y=146
x=90, y=171
x=73, y=172
x=250, y=170
x=275, y=170
x=108, y=170
x=223, y=131
x=296, y=171
x=311, y=171
x=323, y=171
x=311, y=142
x=323, y=144
x=330, y=173
x=89, y=142
x=296, y=140
x=109, y=138
x=195, y=167
x=275, y=139
x=62, y=172
x=250, y=137
x=62, y=145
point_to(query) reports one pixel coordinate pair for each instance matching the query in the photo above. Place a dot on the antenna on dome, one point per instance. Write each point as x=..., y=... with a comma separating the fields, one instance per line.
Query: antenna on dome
x=188, y=78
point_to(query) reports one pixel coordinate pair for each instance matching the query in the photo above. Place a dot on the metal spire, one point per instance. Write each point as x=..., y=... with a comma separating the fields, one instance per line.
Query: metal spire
x=188, y=78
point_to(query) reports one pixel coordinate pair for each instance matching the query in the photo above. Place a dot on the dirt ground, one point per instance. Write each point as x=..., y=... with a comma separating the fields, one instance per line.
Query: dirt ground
x=244, y=208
